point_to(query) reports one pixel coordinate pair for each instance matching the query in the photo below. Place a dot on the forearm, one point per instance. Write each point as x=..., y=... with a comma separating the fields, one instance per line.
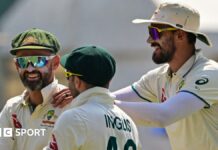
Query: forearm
x=127, y=94
x=143, y=113
x=162, y=114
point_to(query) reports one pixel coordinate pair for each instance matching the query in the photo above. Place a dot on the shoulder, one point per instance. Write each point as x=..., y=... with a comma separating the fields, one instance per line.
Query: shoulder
x=12, y=104
x=71, y=115
x=159, y=70
x=14, y=101
x=70, y=119
x=203, y=63
x=154, y=73
x=204, y=67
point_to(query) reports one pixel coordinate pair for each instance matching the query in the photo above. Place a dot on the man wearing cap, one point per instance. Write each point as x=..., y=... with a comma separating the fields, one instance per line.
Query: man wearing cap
x=29, y=118
x=93, y=122
x=184, y=90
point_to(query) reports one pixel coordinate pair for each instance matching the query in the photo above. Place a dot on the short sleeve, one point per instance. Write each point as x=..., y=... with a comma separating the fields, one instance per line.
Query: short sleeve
x=145, y=87
x=204, y=86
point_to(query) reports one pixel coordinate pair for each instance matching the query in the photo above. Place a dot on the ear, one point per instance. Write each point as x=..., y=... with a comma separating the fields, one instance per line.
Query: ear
x=16, y=65
x=77, y=82
x=56, y=62
x=180, y=35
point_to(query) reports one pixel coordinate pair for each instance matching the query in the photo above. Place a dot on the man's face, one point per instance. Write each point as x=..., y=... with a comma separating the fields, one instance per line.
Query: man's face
x=72, y=86
x=35, y=78
x=164, y=46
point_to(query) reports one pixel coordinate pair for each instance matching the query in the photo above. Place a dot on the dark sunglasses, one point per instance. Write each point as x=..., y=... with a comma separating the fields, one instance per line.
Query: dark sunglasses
x=36, y=61
x=155, y=32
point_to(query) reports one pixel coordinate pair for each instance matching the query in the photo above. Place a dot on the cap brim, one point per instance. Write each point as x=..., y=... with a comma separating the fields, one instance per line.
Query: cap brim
x=29, y=47
x=64, y=61
x=202, y=37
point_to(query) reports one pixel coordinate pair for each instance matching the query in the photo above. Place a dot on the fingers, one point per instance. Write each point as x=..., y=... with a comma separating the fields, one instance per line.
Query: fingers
x=58, y=94
x=65, y=102
x=62, y=98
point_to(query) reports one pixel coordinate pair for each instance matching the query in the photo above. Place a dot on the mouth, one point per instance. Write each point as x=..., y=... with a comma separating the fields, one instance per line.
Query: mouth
x=33, y=76
x=156, y=48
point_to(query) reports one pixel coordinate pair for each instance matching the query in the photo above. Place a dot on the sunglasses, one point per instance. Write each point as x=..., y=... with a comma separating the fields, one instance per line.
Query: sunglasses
x=155, y=32
x=69, y=74
x=36, y=61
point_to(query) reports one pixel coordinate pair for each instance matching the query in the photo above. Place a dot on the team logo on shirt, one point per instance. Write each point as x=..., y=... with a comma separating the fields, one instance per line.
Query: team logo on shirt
x=49, y=118
x=50, y=114
x=202, y=81
x=16, y=122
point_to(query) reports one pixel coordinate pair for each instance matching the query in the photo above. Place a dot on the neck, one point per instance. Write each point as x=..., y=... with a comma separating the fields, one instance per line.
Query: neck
x=180, y=57
x=36, y=97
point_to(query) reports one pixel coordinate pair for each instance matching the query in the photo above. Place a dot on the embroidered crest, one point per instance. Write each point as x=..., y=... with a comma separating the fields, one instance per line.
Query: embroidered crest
x=29, y=40
x=49, y=119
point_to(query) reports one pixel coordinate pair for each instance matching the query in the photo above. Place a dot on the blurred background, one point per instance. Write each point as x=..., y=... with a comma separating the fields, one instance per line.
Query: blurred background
x=106, y=23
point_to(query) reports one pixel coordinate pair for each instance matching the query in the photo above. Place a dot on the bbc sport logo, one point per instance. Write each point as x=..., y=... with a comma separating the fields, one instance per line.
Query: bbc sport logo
x=10, y=132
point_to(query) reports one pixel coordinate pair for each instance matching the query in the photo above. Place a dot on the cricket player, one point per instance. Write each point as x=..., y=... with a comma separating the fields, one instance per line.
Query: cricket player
x=93, y=122
x=182, y=94
x=27, y=120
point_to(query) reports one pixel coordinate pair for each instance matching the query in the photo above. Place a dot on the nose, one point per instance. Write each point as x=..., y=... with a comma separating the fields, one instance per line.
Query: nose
x=150, y=39
x=30, y=67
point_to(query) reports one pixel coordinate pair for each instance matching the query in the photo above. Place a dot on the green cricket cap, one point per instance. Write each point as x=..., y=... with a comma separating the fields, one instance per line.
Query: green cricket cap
x=34, y=39
x=92, y=64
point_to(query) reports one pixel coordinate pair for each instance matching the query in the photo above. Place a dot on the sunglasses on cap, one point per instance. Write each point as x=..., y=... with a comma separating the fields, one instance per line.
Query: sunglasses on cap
x=36, y=61
x=69, y=74
x=155, y=32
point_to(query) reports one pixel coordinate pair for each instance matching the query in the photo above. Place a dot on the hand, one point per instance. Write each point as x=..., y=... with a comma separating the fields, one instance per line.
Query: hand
x=62, y=98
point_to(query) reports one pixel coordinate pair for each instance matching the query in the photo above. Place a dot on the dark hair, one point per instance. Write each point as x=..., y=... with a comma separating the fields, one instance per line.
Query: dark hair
x=191, y=38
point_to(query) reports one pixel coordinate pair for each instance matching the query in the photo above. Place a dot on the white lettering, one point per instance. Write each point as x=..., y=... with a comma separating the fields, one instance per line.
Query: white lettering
x=43, y=132
x=17, y=132
x=7, y=132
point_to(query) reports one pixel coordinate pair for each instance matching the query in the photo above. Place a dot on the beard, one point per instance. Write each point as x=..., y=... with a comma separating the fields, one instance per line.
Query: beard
x=164, y=55
x=38, y=84
x=73, y=90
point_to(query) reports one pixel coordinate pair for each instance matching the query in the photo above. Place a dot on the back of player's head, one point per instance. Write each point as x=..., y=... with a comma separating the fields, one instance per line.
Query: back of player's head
x=92, y=64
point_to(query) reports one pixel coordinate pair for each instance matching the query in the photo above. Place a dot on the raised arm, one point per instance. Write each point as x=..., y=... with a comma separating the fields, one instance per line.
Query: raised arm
x=162, y=114
x=127, y=94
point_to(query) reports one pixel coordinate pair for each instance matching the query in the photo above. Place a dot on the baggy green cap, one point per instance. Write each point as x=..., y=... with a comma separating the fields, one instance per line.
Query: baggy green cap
x=94, y=64
x=33, y=39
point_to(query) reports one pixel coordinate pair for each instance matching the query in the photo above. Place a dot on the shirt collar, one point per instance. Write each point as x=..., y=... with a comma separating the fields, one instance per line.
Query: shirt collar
x=187, y=66
x=98, y=94
x=47, y=93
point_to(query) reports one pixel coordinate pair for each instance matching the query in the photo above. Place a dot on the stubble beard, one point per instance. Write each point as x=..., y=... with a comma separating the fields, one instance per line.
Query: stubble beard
x=165, y=55
x=36, y=85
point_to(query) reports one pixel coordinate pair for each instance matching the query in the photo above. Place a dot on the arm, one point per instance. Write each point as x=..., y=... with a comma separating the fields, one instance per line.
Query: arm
x=127, y=94
x=162, y=114
x=5, y=142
